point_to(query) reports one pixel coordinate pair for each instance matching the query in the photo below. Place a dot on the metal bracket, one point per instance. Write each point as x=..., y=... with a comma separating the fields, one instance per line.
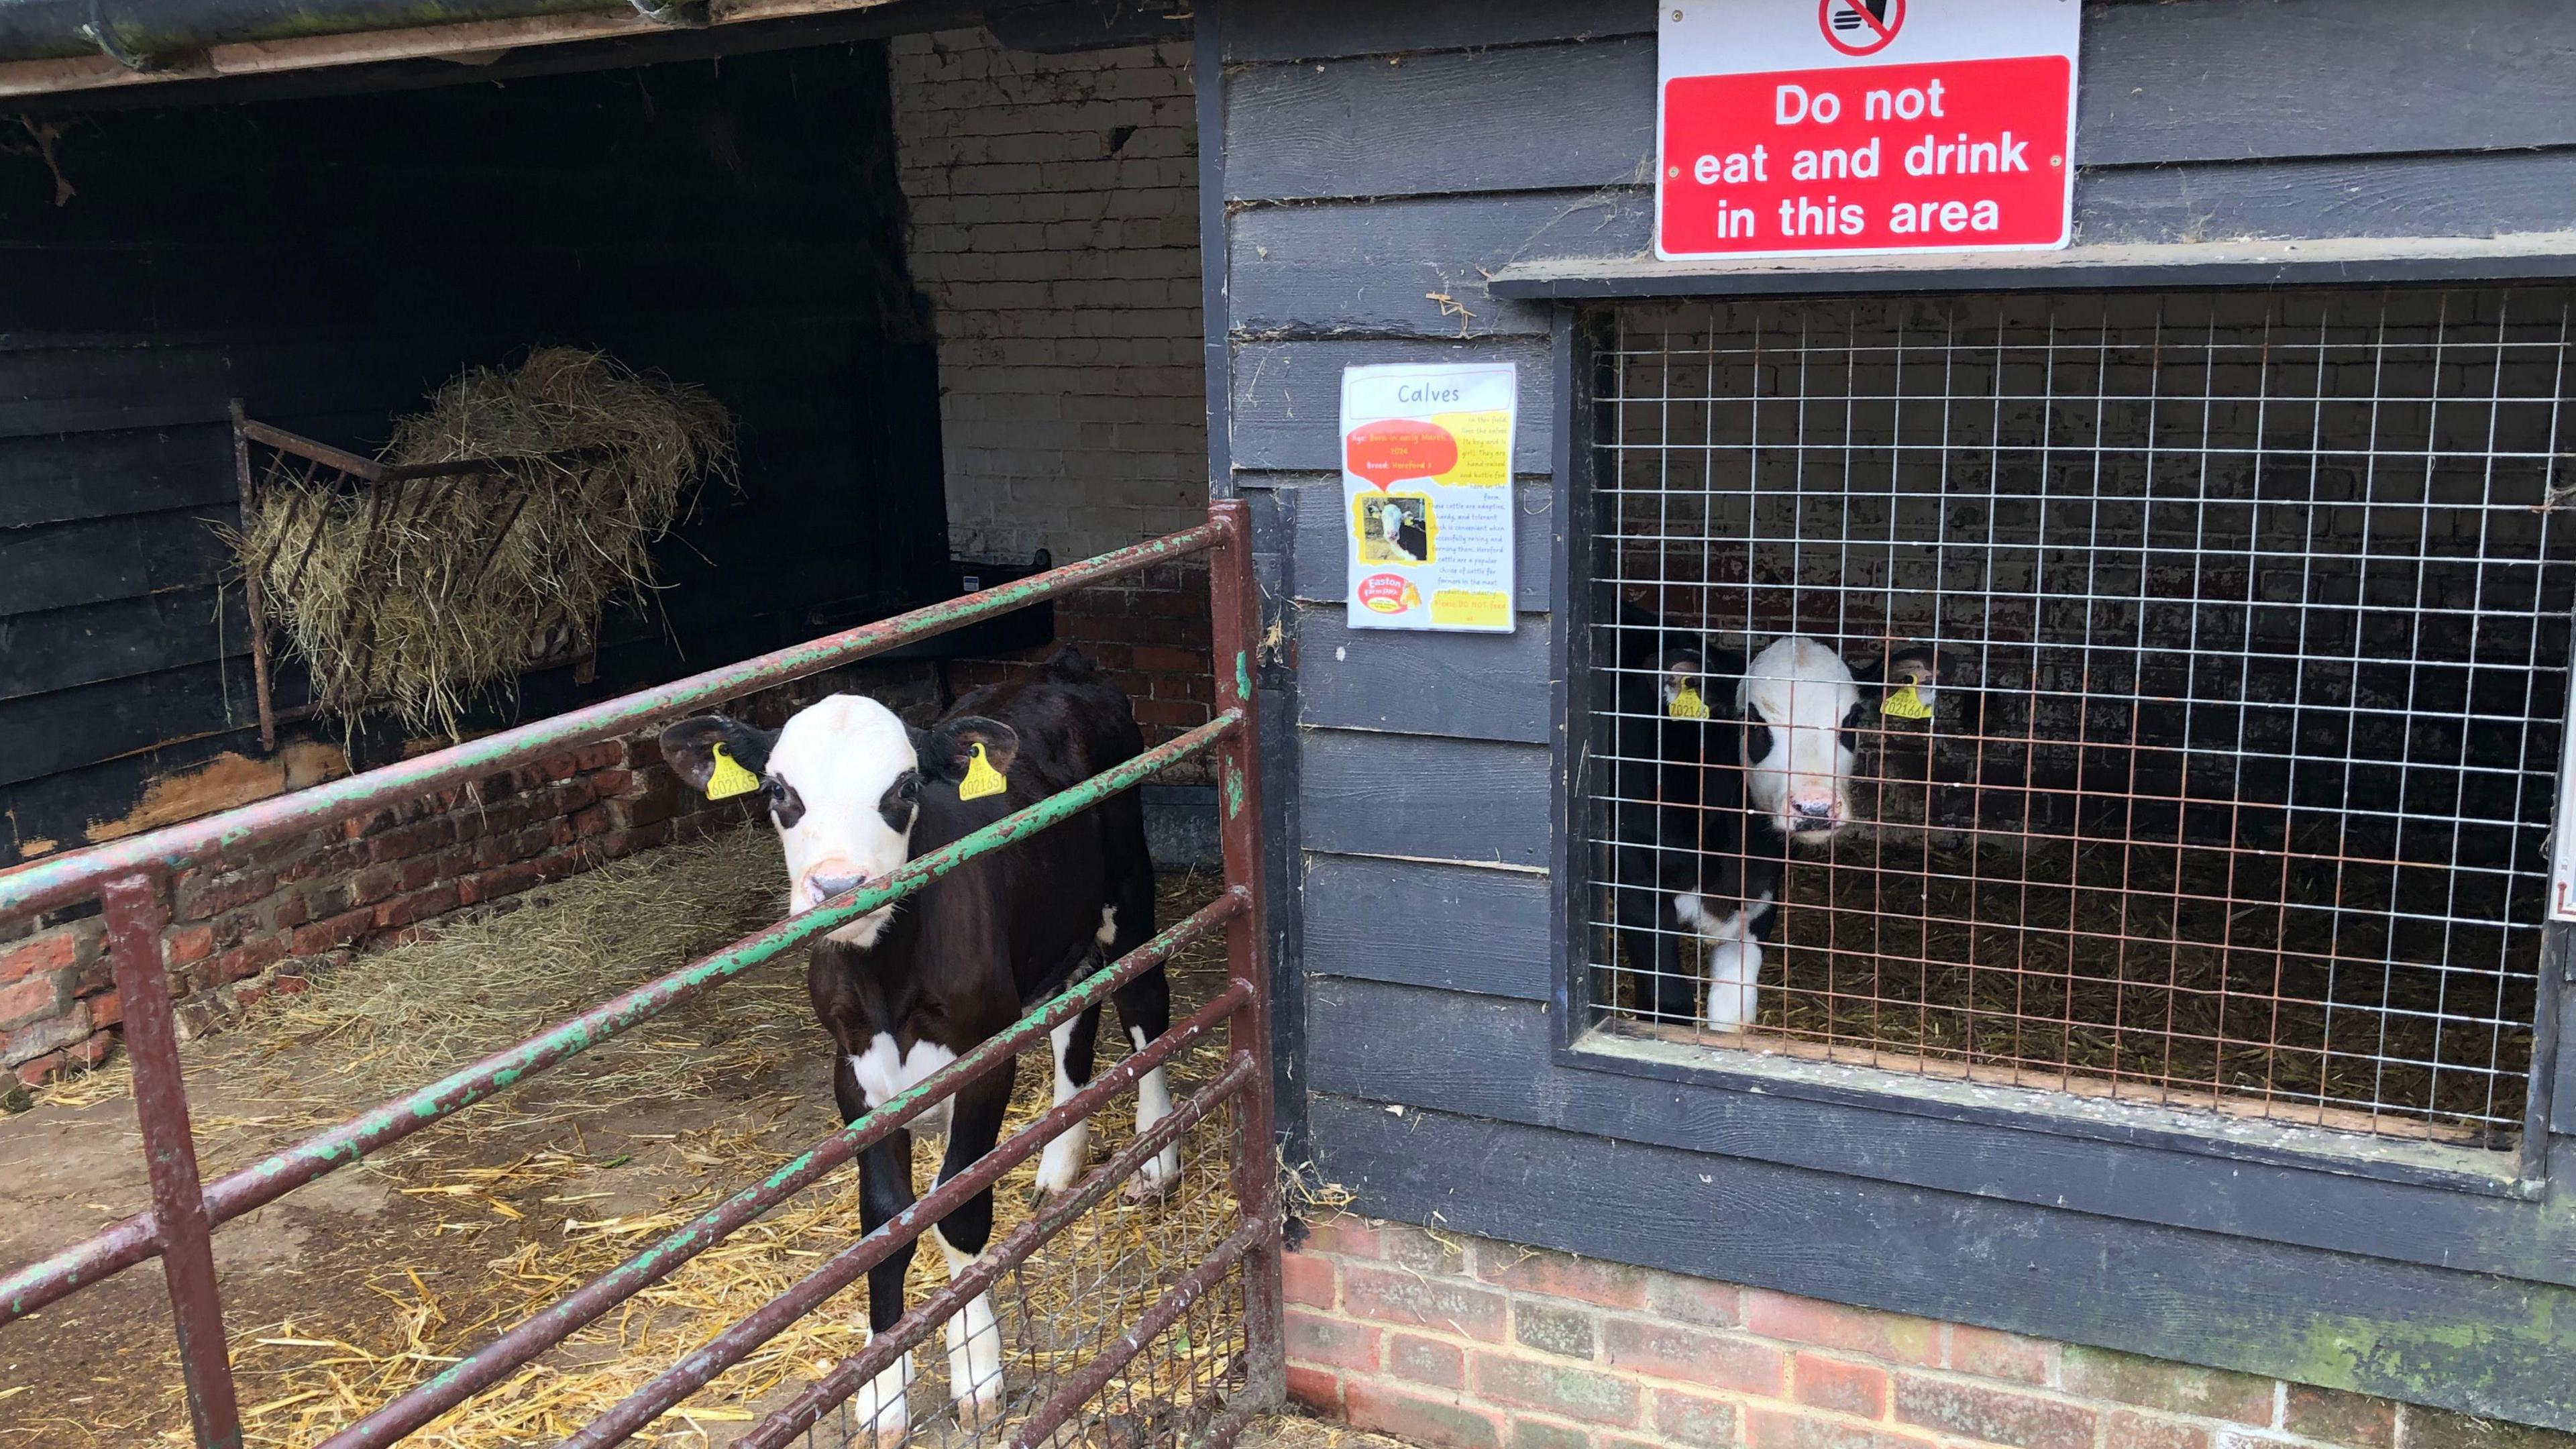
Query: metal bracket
x=103, y=35
x=685, y=14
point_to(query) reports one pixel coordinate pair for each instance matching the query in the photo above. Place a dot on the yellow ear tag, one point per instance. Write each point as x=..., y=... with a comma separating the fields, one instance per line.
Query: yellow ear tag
x=981, y=778
x=1906, y=704
x=729, y=778
x=1688, y=705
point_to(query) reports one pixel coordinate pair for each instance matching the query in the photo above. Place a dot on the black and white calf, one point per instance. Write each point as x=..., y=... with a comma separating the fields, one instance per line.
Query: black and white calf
x=1716, y=766
x=907, y=989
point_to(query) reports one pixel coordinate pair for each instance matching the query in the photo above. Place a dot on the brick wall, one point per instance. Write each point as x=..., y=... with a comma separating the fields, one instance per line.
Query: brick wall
x=262, y=922
x=1054, y=211
x=1473, y=1344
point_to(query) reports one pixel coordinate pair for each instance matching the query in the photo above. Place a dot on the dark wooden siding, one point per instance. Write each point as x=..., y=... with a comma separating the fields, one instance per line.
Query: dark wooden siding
x=1379, y=162
x=331, y=260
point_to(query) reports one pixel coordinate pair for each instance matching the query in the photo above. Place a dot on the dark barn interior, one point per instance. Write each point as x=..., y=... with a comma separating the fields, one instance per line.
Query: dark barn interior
x=2255, y=616
x=735, y=224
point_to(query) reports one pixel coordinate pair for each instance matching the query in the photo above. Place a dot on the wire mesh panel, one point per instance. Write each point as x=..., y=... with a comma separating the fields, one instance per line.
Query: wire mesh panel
x=2251, y=620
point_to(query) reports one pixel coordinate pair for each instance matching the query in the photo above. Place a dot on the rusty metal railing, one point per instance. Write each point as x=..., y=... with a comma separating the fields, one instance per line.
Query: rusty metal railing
x=128, y=877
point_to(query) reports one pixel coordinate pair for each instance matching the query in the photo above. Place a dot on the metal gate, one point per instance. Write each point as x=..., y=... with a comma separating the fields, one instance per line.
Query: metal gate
x=1237, y=1277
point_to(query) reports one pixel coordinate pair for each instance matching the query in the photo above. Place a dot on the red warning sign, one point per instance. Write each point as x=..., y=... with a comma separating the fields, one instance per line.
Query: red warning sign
x=1936, y=125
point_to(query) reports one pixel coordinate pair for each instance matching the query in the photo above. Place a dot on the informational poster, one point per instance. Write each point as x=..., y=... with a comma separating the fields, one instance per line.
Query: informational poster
x=1787, y=129
x=1427, y=494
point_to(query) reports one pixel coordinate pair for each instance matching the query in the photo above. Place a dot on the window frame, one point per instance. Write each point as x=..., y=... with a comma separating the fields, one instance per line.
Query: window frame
x=1584, y=304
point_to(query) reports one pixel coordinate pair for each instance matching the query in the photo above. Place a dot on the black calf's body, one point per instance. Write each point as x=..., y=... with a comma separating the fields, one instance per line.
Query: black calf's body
x=1717, y=765
x=1688, y=850
x=904, y=993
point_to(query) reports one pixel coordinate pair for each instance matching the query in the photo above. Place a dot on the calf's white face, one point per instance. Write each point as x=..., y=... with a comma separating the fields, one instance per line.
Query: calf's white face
x=837, y=781
x=1800, y=704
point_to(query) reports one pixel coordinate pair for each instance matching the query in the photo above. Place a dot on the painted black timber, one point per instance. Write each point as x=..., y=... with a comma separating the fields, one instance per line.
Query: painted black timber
x=2430, y=1336
x=1418, y=798
x=2157, y=1171
x=1418, y=923
x=1288, y=395
x=1460, y=686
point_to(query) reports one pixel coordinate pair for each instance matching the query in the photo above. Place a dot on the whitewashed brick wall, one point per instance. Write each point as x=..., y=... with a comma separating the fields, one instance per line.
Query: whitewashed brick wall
x=1055, y=230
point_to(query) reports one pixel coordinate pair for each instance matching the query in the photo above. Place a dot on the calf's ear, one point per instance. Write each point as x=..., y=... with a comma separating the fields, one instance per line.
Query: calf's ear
x=1892, y=669
x=1681, y=682
x=949, y=748
x=690, y=747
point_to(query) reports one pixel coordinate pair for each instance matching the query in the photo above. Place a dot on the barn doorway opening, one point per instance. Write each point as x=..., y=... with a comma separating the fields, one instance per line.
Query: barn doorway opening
x=735, y=224
x=2253, y=617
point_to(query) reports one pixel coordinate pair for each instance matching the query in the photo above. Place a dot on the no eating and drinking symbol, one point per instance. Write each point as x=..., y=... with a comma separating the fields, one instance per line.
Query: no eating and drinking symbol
x=1860, y=27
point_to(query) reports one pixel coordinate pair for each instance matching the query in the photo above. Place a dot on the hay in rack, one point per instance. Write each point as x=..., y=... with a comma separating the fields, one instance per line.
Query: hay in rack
x=437, y=587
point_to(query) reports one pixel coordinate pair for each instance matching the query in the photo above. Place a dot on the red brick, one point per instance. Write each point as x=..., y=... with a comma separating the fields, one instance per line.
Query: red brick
x=1561, y=1389
x=250, y=959
x=593, y=821
x=284, y=984
x=1891, y=1336
x=649, y=810
x=1426, y=1360
x=600, y=756
x=1558, y=1275
x=215, y=895
x=1316, y=1389
x=2129, y=1429
x=1695, y=1300
x=1997, y=1416
x=412, y=840
x=1670, y=1351
x=492, y=885
x=107, y=1009
x=1385, y=1409
x=1177, y=661
x=1857, y=1389
x=43, y=1069
x=2339, y=1418
x=1171, y=714
x=612, y=782
x=26, y=1000
x=1769, y=1428
x=420, y=906
x=1344, y=1234
x=1686, y=1418
x=332, y=931
x=1317, y=1338
x=1530, y=1433
x=1309, y=1279
x=373, y=884
x=1569, y=1332
x=188, y=943
x=1395, y=1296
x=2178, y=1388
x=2435, y=1429
x=1422, y=1251
x=618, y=843
x=1988, y=1354
x=55, y=950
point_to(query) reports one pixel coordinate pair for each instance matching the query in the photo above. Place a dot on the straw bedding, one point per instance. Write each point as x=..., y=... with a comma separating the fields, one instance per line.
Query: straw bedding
x=539, y=1190
x=2195, y=975
x=423, y=596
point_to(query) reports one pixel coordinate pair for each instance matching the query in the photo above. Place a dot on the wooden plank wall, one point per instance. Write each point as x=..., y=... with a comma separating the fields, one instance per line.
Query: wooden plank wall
x=1379, y=162
x=331, y=260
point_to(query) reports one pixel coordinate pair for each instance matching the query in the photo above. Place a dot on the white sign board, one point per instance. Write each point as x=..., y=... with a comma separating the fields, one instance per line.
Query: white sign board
x=1788, y=129
x=1427, y=494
